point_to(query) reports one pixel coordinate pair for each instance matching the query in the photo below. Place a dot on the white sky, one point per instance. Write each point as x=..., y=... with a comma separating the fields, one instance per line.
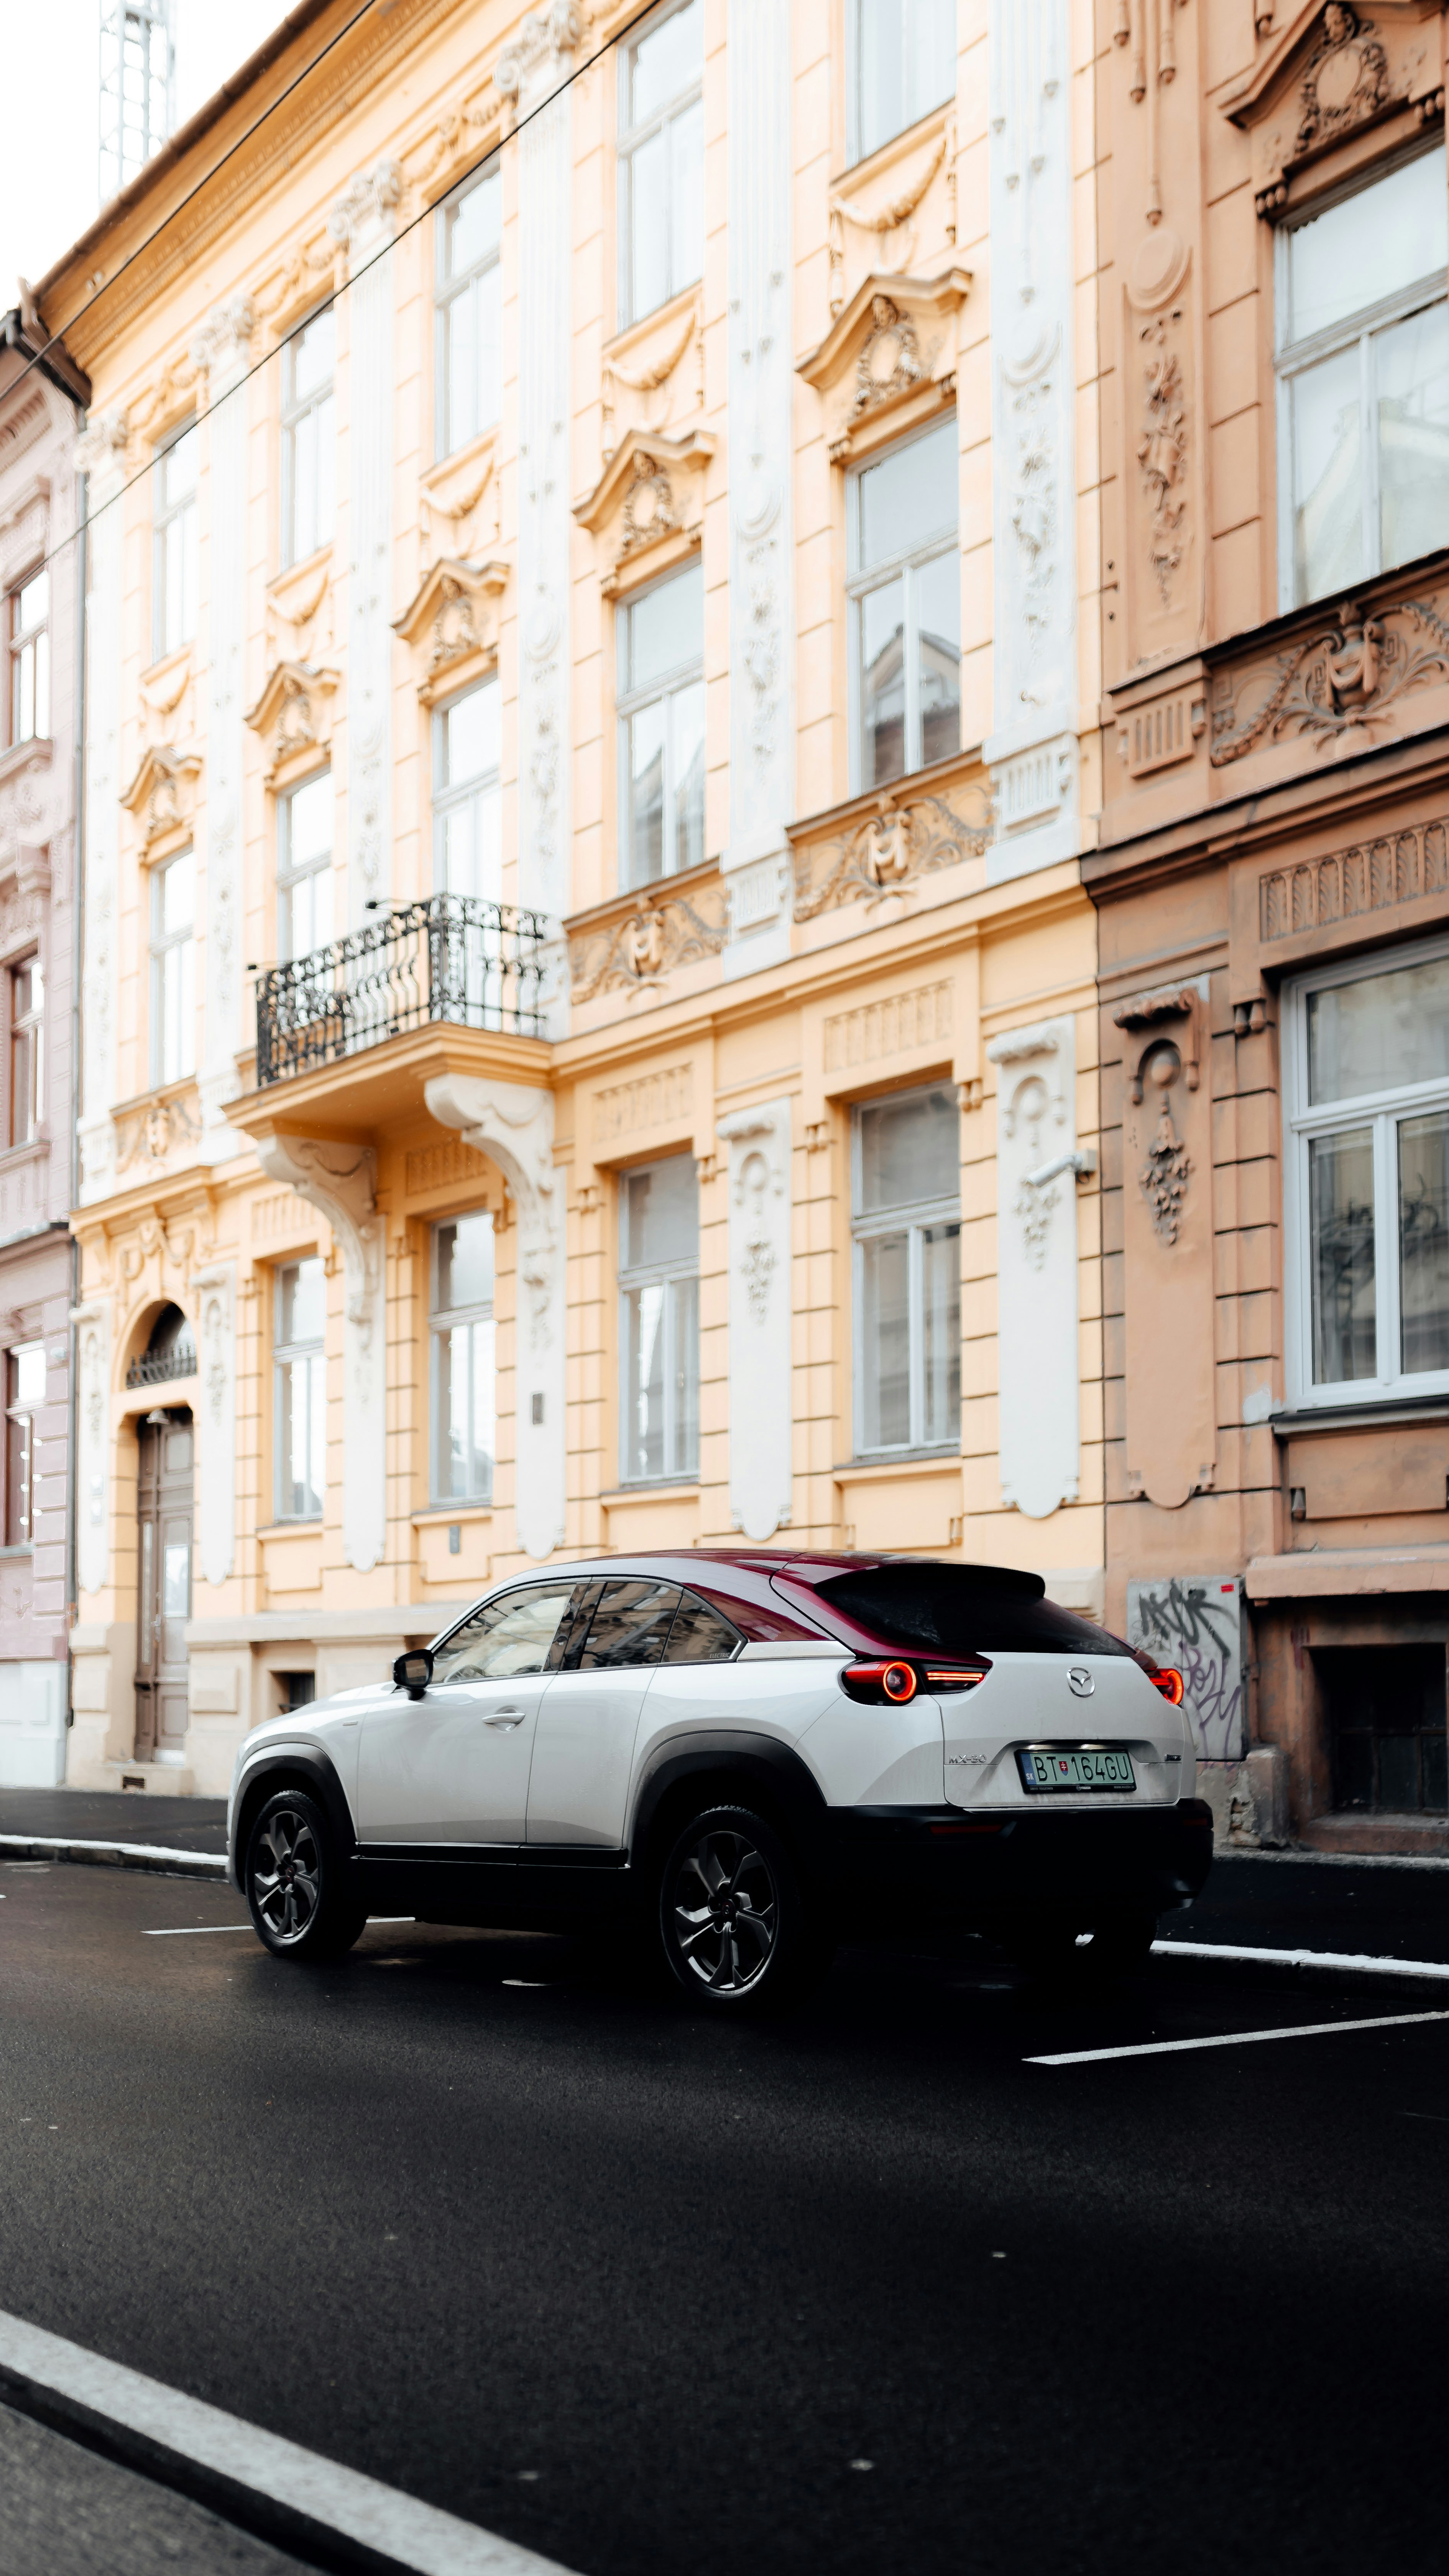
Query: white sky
x=48, y=174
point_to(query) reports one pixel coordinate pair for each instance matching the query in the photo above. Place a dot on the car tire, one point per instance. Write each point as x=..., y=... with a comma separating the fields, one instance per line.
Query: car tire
x=735, y=1925
x=1069, y=1948
x=293, y=1881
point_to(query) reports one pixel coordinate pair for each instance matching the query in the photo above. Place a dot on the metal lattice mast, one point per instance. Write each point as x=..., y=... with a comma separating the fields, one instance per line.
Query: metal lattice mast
x=138, y=86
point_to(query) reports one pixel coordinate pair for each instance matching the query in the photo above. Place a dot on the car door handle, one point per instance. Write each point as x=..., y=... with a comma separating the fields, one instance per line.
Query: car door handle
x=507, y=1717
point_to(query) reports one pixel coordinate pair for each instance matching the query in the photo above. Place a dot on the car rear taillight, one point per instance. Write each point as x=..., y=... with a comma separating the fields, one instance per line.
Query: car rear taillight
x=898, y=1681
x=1163, y=1677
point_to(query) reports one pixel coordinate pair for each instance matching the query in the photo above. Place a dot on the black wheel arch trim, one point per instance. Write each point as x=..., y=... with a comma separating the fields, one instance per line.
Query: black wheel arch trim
x=760, y=1762
x=277, y=1765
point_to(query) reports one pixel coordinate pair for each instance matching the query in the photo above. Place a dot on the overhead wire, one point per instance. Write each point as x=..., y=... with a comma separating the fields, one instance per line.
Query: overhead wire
x=384, y=251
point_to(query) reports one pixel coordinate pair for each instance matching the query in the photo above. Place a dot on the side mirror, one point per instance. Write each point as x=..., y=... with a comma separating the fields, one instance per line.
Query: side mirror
x=413, y=1671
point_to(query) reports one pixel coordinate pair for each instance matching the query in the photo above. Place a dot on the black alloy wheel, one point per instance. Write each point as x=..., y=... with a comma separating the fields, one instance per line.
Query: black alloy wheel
x=293, y=1881
x=732, y=1917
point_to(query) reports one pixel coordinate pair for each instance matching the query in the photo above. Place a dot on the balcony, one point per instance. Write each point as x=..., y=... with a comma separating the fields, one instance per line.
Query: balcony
x=450, y=961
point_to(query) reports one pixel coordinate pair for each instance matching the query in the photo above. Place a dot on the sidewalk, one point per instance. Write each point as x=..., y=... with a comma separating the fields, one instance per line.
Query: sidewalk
x=115, y=1816
x=1283, y=1902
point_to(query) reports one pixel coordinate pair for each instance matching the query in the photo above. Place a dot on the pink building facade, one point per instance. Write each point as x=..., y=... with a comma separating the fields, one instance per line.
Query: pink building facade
x=40, y=399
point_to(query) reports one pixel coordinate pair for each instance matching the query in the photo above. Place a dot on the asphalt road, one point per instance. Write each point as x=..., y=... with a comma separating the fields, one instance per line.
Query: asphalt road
x=487, y=2219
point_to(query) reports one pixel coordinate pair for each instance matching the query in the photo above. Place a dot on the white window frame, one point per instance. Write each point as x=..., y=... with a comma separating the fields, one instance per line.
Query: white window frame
x=27, y=1034
x=649, y=1274
x=1380, y=1111
x=854, y=150
x=288, y=876
x=164, y=945
x=168, y=525
x=441, y=1320
x=633, y=702
x=911, y=1219
x=448, y=291
x=860, y=583
x=20, y=1426
x=27, y=644
x=1292, y=357
x=292, y=414
x=628, y=140
x=283, y=1355
x=484, y=786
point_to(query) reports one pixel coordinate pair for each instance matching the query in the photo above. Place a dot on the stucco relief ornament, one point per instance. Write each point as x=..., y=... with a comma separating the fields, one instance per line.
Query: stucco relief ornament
x=890, y=360
x=886, y=853
x=1345, y=81
x=1035, y=1208
x=1352, y=673
x=1163, y=1177
x=753, y=1187
x=649, y=509
x=455, y=630
x=1162, y=453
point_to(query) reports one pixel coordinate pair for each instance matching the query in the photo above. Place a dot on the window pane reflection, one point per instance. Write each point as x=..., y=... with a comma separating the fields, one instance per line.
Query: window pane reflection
x=1424, y=1243
x=1412, y=380
x=1341, y=1219
x=1327, y=476
x=886, y=1340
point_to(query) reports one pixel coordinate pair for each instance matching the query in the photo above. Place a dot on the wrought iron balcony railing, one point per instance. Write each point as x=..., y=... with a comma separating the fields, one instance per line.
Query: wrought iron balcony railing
x=477, y=965
x=153, y=1368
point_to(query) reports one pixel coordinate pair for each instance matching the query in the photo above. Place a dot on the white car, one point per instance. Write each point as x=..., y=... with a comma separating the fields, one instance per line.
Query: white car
x=744, y=1753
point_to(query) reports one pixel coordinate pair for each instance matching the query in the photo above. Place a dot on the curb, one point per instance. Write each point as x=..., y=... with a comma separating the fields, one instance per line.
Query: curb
x=153, y=1856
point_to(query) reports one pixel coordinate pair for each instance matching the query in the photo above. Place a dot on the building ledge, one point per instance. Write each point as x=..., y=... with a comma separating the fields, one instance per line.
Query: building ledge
x=348, y=1101
x=1318, y=1573
x=383, y=1626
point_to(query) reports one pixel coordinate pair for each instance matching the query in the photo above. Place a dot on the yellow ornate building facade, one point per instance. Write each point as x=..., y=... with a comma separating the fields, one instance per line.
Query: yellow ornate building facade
x=588, y=999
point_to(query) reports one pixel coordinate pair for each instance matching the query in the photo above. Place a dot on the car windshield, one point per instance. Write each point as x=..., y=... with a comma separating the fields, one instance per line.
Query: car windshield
x=963, y=1610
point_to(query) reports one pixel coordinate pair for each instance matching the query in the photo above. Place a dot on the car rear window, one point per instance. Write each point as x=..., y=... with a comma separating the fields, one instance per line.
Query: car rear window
x=963, y=1610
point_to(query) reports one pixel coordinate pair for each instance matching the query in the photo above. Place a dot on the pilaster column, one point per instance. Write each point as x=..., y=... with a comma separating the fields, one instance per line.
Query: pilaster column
x=529, y=73
x=1038, y=1366
x=215, y=1292
x=761, y=398
x=223, y=350
x=513, y=1126
x=92, y=1323
x=339, y=1180
x=761, y=1409
x=100, y=456
x=1032, y=748
x=363, y=221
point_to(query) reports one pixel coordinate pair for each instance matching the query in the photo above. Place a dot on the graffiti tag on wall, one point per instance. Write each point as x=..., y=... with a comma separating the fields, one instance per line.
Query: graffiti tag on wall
x=1195, y=1621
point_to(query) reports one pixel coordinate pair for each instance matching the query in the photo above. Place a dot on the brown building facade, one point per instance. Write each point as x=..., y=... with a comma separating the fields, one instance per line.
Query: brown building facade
x=1272, y=886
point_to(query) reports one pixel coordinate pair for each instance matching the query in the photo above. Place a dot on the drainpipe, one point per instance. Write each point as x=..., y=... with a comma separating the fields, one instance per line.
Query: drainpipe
x=78, y=807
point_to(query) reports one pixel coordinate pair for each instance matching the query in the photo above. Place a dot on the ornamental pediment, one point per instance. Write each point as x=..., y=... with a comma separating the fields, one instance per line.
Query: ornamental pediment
x=892, y=344
x=293, y=713
x=163, y=792
x=452, y=618
x=650, y=490
x=1325, y=75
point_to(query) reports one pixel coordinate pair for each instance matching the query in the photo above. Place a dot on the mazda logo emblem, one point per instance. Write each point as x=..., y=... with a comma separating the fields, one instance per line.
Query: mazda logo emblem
x=1080, y=1682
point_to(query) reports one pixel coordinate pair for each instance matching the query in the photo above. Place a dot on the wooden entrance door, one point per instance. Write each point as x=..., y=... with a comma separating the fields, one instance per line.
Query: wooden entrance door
x=163, y=1503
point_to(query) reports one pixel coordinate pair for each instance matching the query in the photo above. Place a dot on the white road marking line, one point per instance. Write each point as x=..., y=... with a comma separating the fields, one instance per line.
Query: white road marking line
x=1341, y=1959
x=1231, y=2039
x=403, y=2532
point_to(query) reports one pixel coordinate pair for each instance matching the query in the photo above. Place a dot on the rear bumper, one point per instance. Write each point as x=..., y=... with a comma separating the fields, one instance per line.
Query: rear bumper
x=985, y=1872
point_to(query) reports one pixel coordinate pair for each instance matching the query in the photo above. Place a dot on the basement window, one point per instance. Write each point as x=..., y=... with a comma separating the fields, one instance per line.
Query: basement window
x=1385, y=1710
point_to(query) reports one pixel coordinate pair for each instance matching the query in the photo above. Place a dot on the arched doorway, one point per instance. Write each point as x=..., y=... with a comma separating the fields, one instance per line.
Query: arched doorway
x=166, y=1441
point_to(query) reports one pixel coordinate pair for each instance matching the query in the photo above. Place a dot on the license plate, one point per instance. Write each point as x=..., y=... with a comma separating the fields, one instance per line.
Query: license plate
x=1075, y=1766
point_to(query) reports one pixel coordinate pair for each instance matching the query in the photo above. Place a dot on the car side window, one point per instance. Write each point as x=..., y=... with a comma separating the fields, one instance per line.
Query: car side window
x=510, y=1634
x=630, y=1625
x=700, y=1635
